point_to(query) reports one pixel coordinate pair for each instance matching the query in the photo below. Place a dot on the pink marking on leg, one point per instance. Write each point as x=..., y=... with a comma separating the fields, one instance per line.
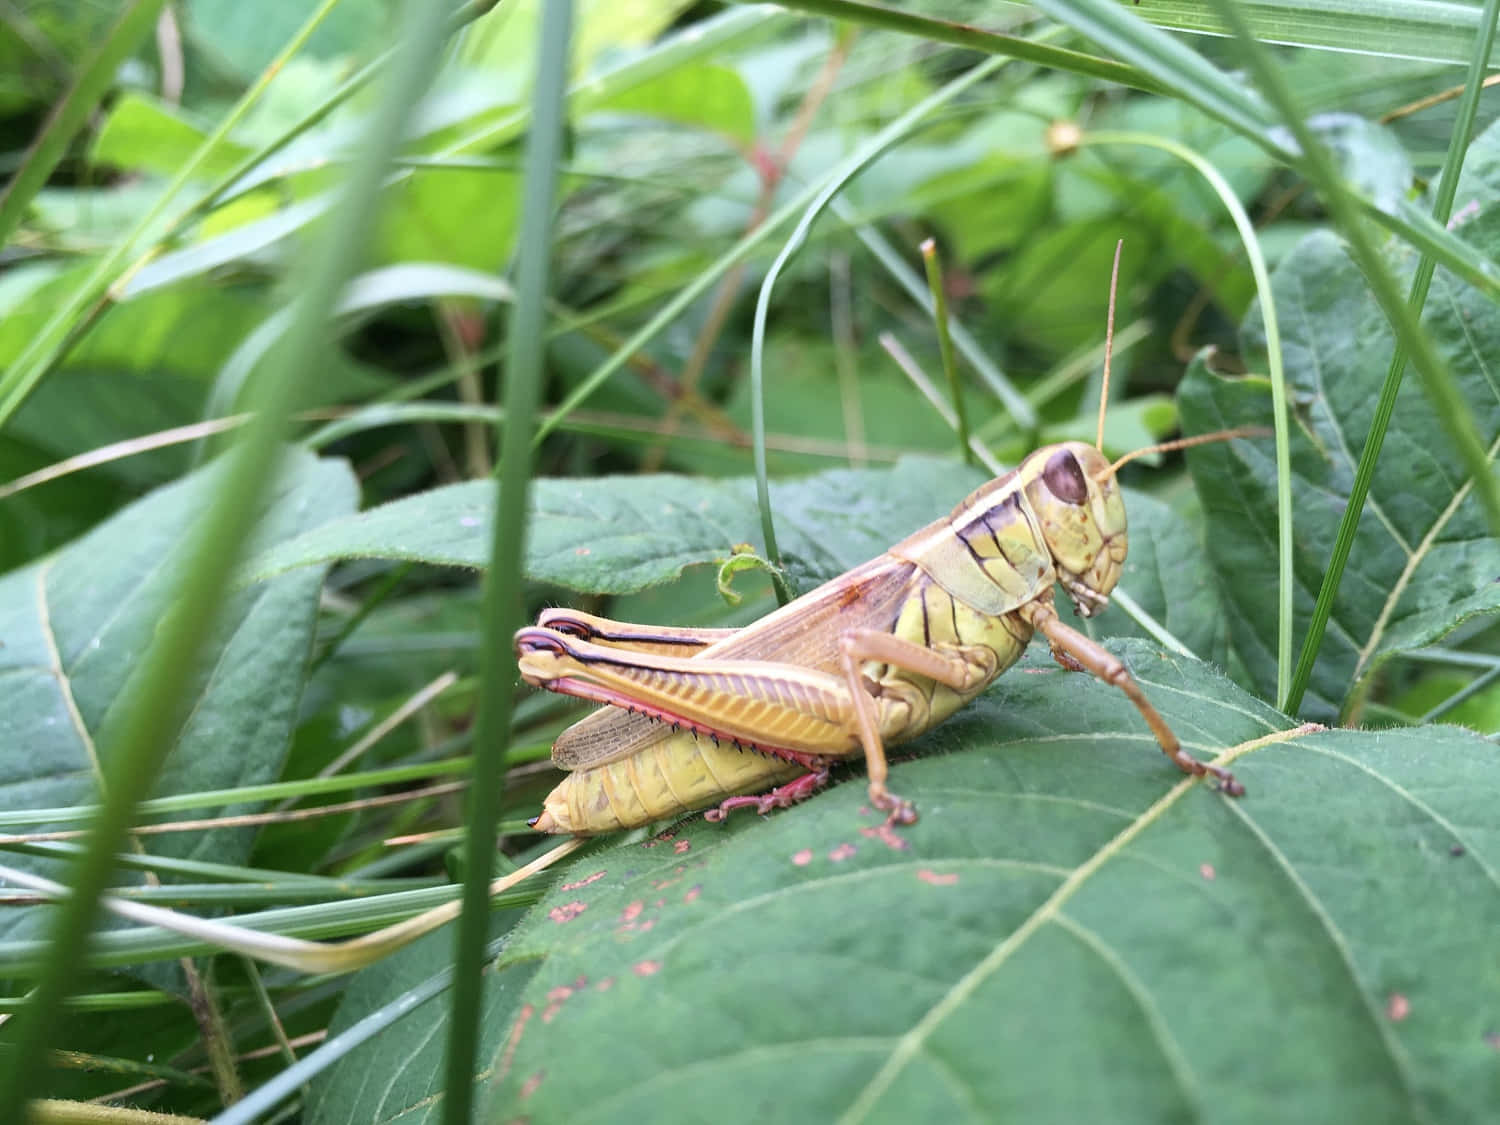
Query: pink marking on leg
x=782, y=797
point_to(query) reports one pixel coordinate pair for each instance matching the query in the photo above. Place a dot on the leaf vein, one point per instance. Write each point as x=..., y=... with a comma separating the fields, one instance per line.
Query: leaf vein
x=1399, y=1061
x=1171, y=1051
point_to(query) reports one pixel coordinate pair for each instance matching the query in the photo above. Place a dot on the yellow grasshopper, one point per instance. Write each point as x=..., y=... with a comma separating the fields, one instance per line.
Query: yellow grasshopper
x=699, y=717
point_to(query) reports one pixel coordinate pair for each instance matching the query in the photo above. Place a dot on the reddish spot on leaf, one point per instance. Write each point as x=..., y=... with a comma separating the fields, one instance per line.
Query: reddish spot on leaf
x=693, y=893
x=594, y=878
x=803, y=858
x=555, y=1000
x=633, y=911
x=646, y=925
x=1207, y=871
x=646, y=968
x=526, y=1012
x=663, y=884
x=887, y=836
x=937, y=880
x=660, y=903
x=842, y=852
x=582, y=551
x=1492, y=1039
x=606, y=984
x=1397, y=1008
x=682, y=846
x=567, y=912
x=529, y=1086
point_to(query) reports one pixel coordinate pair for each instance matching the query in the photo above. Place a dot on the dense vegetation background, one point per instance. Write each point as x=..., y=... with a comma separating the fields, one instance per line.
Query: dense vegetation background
x=337, y=219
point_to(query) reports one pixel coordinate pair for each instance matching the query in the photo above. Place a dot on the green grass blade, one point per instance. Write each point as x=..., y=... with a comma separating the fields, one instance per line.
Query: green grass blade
x=87, y=299
x=936, y=30
x=150, y=717
x=1280, y=415
x=501, y=615
x=816, y=198
x=945, y=346
x=73, y=111
x=1364, y=472
x=266, y=1098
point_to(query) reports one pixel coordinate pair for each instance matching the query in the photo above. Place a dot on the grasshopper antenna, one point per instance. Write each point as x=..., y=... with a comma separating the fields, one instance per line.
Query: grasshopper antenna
x=1186, y=443
x=1109, y=343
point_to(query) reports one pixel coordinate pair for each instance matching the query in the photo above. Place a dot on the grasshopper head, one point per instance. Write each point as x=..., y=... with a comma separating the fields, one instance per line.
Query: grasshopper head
x=1071, y=488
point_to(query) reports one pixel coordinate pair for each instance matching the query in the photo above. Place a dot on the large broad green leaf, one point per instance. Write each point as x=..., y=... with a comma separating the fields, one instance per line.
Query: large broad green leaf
x=246, y=37
x=147, y=135
x=76, y=625
x=707, y=96
x=619, y=535
x=1423, y=561
x=1070, y=933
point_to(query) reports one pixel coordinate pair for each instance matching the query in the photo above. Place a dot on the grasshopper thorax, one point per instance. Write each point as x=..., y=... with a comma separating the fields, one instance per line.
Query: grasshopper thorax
x=1072, y=490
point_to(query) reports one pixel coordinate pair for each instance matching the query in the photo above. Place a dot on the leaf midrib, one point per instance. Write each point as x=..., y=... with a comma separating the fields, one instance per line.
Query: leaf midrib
x=911, y=1043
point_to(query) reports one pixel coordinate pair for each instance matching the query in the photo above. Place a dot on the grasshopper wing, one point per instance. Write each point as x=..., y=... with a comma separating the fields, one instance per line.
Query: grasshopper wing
x=804, y=632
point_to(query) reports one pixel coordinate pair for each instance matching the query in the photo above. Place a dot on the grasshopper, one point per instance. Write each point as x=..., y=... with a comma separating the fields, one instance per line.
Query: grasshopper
x=872, y=658
x=702, y=717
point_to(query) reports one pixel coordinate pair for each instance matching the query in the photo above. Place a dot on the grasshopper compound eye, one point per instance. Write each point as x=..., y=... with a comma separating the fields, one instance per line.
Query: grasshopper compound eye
x=1064, y=478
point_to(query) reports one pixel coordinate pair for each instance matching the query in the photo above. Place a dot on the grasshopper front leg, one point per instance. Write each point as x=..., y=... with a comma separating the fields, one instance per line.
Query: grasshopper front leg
x=1077, y=652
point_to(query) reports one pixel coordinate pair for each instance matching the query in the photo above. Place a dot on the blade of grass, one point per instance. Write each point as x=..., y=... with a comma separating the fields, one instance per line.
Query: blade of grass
x=70, y=114
x=1018, y=407
x=49, y=345
x=149, y=718
x=1280, y=416
x=1442, y=207
x=945, y=345
x=267, y=1097
x=821, y=195
x=959, y=34
x=501, y=608
x=752, y=240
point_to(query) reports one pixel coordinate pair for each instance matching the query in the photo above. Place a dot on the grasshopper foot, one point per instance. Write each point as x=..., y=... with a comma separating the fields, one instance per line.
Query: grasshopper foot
x=1228, y=784
x=782, y=797
x=899, y=810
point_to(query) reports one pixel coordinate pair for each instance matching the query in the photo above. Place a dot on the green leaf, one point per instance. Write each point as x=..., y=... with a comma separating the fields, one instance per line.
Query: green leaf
x=1168, y=574
x=75, y=624
x=1069, y=933
x=408, y=1057
x=619, y=535
x=247, y=37
x=145, y=135
x=1423, y=561
x=455, y=215
x=706, y=95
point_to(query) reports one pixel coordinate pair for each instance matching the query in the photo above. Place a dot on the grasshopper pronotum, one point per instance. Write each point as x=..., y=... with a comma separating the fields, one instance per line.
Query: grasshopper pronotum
x=871, y=658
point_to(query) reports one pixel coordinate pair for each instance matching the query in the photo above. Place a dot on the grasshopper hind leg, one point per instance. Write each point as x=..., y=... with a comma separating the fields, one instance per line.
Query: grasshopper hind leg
x=782, y=797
